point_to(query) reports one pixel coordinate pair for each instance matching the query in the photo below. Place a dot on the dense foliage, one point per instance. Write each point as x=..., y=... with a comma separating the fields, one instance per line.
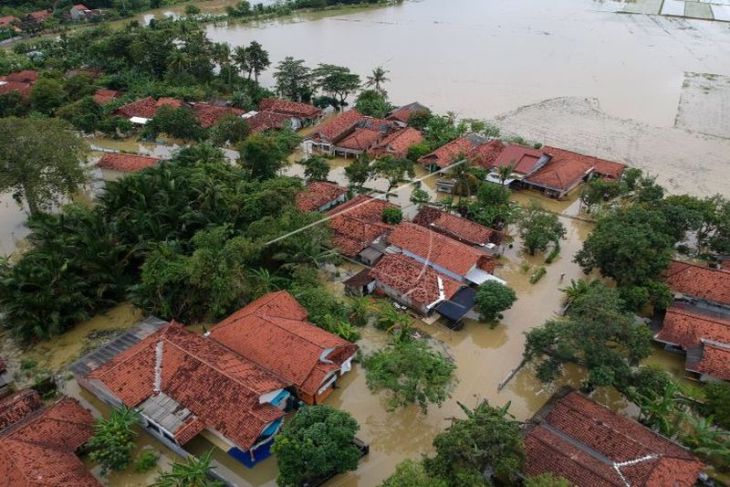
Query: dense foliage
x=410, y=473
x=193, y=472
x=540, y=228
x=113, y=440
x=492, y=298
x=315, y=443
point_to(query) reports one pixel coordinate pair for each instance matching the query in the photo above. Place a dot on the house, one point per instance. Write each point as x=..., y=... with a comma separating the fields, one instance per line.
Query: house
x=115, y=165
x=38, y=444
x=559, y=176
x=458, y=261
x=5, y=379
x=273, y=332
x=456, y=227
x=702, y=332
x=587, y=444
x=102, y=96
x=413, y=284
x=208, y=114
x=80, y=12
x=263, y=121
x=331, y=131
x=320, y=196
x=20, y=81
x=358, y=228
x=396, y=144
x=300, y=114
x=454, y=151
x=39, y=16
x=365, y=135
x=523, y=161
x=699, y=283
x=10, y=22
x=402, y=115
x=601, y=167
x=360, y=284
x=142, y=111
x=184, y=385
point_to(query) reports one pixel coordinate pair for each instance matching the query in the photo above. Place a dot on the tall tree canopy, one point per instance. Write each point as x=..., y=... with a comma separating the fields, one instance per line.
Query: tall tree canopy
x=41, y=161
x=336, y=81
x=539, y=228
x=293, y=79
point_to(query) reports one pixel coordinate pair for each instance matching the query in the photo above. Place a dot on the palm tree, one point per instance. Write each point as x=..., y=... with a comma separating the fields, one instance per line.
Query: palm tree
x=504, y=172
x=194, y=472
x=465, y=180
x=263, y=282
x=240, y=58
x=576, y=289
x=377, y=79
x=359, y=311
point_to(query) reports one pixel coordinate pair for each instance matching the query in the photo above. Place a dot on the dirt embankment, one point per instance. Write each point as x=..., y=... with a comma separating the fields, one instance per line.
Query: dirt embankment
x=683, y=161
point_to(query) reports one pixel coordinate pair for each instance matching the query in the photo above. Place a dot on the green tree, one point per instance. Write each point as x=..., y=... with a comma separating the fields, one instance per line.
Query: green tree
x=84, y=114
x=597, y=334
x=336, y=81
x=180, y=123
x=539, y=228
x=492, y=298
x=488, y=438
x=420, y=197
x=230, y=129
x=316, y=443
x=293, y=79
x=193, y=472
x=358, y=172
x=40, y=161
x=316, y=168
x=717, y=403
x=410, y=473
x=492, y=207
x=47, y=95
x=412, y=373
x=546, y=480
x=377, y=78
x=631, y=245
x=258, y=60
x=395, y=171
x=261, y=156
x=392, y=216
x=373, y=103
x=113, y=440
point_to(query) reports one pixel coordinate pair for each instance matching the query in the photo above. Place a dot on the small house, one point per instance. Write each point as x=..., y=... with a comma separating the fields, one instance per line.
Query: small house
x=102, y=96
x=115, y=165
x=300, y=114
x=20, y=81
x=699, y=283
x=452, y=152
x=273, y=332
x=39, y=16
x=209, y=114
x=263, y=121
x=585, y=443
x=458, y=228
x=402, y=115
x=140, y=112
x=320, y=196
x=328, y=133
x=396, y=144
x=80, y=12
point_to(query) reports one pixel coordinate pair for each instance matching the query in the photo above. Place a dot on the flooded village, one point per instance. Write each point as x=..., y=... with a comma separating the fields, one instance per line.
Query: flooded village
x=366, y=244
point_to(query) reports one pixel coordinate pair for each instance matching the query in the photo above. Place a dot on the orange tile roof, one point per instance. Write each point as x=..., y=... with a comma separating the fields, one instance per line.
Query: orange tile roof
x=267, y=120
x=485, y=155
x=147, y=107
x=603, y=167
x=104, y=96
x=17, y=406
x=714, y=360
x=124, y=162
x=522, y=159
x=10, y=86
x=318, y=194
x=208, y=115
x=7, y=20
x=397, y=143
x=20, y=81
x=218, y=386
x=456, y=227
x=413, y=279
x=273, y=332
x=291, y=108
x=590, y=445
x=685, y=326
x=699, y=281
x=403, y=114
x=39, y=450
x=562, y=173
x=337, y=127
x=357, y=223
x=25, y=76
x=361, y=139
x=40, y=15
x=448, y=153
x=438, y=249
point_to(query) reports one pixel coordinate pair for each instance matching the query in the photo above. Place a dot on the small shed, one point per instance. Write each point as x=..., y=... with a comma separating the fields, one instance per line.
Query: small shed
x=457, y=307
x=360, y=284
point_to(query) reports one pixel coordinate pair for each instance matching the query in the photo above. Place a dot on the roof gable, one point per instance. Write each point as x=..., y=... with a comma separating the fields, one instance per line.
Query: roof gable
x=317, y=194
x=686, y=326
x=357, y=223
x=338, y=126
x=699, y=282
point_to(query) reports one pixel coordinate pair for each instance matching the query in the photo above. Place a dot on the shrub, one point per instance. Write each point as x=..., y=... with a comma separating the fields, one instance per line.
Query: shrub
x=392, y=216
x=537, y=275
x=493, y=298
x=146, y=460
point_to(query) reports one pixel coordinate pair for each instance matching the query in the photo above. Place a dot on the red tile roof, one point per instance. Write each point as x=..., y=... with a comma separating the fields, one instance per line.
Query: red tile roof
x=397, y=143
x=562, y=173
x=218, y=386
x=25, y=76
x=357, y=223
x=485, y=155
x=80, y=6
x=413, y=280
x=40, y=15
x=146, y=107
x=266, y=120
x=403, y=114
x=522, y=159
x=291, y=108
x=448, y=154
x=273, y=332
x=7, y=20
x=337, y=127
x=456, y=227
x=699, y=281
x=685, y=326
x=607, y=169
x=10, y=86
x=20, y=81
x=39, y=450
x=126, y=162
x=714, y=360
x=361, y=139
x=318, y=194
x=590, y=445
x=208, y=115
x=104, y=96
x=17, y=406
x=438, y=249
